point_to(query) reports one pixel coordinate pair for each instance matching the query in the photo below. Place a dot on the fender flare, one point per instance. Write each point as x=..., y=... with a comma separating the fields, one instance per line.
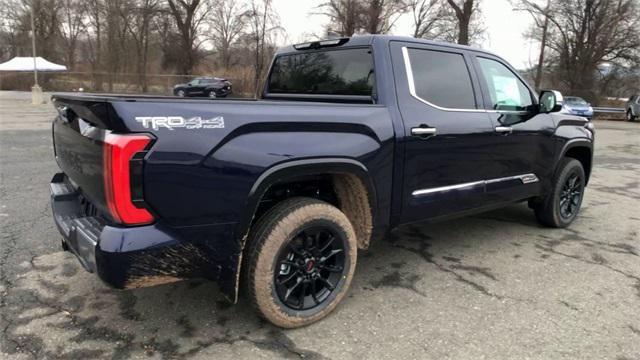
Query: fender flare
x=295, y=168
x=574, y=143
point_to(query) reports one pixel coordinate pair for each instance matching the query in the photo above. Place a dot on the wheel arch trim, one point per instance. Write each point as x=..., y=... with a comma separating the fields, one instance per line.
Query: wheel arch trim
x=578, y=143
x=294, y=168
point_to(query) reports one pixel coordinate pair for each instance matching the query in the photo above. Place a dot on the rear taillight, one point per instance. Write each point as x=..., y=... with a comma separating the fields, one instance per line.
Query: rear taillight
x=118, y=150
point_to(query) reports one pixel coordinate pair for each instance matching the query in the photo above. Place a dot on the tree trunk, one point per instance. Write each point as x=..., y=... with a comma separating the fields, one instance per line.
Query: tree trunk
x=463, y=30
x=543, y=44
x=463, y=14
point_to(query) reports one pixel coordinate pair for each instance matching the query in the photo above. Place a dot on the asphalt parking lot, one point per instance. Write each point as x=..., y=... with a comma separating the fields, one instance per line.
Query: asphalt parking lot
x=494, y=286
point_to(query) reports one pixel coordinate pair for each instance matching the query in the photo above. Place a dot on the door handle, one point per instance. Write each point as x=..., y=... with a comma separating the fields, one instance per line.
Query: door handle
x=423, y=131
x=504, y=129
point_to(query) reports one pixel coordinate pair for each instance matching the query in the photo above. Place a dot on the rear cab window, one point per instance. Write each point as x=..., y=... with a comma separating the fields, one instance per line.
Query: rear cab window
x=347, y=72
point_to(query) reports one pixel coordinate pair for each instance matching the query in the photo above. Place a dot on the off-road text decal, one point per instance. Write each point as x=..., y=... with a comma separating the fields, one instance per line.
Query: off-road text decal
x=173, y=122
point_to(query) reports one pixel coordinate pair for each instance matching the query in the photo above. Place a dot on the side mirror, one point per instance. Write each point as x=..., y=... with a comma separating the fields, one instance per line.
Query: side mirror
x=551, y=101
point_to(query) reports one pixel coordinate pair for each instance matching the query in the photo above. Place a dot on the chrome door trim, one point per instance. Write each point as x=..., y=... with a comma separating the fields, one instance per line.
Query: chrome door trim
x=524, y=178
x=412, y=85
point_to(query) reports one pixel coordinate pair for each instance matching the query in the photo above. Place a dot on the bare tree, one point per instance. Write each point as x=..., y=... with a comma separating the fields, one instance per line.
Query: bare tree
x=229, y=20
x=348, y=17
x=379, y=16
x=540, y=14
x=138, y=16
x=72, y=25
x=188, y=16
x=95, y=11
x=116, y=37
x=427, y=18
x=13, y=33
x=464, y=10
x=263, y=23
x=589, y=33
x=344, y=16
x=17, y=15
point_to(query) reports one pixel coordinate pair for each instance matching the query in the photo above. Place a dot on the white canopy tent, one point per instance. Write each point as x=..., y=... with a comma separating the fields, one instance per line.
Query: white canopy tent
x=26, y=64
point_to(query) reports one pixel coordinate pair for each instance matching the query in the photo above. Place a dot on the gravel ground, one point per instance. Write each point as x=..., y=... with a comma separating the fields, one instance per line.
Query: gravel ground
x=493, y=286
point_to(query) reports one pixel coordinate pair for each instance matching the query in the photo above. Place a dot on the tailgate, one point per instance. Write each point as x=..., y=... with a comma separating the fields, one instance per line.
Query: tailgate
x=78, y=135
x=95, y=152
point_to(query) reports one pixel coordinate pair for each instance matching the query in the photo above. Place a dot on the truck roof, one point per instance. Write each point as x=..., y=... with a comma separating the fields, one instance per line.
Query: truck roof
x=363, y=40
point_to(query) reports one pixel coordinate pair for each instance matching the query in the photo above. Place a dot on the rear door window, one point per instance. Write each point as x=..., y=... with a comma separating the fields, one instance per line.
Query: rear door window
x=441, y=78
x=330, y=72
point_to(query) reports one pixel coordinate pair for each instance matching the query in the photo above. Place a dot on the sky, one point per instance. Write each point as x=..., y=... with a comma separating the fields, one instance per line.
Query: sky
x=504, y=27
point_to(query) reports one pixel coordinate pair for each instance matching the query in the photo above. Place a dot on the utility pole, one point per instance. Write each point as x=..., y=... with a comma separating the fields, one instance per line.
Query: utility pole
x=36, y=91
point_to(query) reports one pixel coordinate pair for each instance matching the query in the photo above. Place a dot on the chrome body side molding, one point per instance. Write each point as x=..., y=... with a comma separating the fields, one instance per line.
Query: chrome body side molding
x=524, y=178
x=448, y=188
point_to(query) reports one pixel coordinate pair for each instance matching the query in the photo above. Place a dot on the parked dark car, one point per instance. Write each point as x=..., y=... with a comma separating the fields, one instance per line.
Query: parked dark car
x=212, y=87
x=577, y=106
x=278, y=196
x=633, y=108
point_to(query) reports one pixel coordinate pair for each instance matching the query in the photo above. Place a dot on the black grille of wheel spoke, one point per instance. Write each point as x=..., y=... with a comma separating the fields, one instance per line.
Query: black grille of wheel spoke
x=570, y=196
x=310, y=268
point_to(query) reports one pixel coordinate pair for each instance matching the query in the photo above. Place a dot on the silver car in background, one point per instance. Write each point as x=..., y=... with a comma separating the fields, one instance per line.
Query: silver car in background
x=577, y=106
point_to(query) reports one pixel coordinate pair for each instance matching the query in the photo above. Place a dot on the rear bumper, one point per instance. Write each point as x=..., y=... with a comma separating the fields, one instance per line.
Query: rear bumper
x=79, y=233
x=223, y=92
x=132, y=257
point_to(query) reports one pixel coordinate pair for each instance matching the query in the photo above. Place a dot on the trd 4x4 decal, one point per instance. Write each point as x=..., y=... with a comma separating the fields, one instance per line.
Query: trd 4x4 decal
x=173, y=122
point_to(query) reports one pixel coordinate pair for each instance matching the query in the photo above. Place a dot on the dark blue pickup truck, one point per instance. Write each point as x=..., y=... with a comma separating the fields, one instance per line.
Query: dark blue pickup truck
x=276, y=196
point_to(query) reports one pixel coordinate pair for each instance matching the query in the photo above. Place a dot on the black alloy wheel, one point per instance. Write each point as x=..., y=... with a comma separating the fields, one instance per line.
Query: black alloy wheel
x=310, y=268
x=571, y=196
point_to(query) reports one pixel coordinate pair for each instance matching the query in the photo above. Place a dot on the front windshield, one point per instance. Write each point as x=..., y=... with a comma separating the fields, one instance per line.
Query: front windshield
x=575, y=100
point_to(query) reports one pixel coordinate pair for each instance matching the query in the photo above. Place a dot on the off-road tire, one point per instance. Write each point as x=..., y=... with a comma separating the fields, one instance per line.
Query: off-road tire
x=548, y=209
x=270, y=236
